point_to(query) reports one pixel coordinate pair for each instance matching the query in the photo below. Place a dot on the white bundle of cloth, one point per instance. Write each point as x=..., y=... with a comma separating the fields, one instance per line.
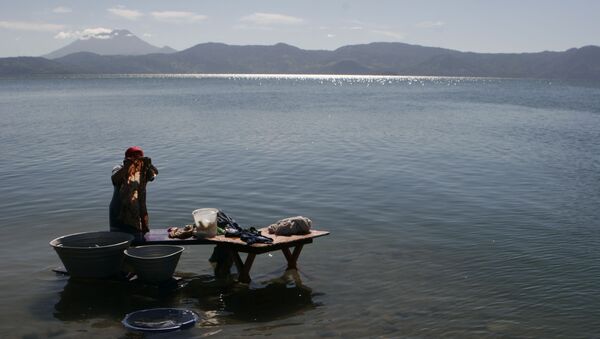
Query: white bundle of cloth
x=291, y=226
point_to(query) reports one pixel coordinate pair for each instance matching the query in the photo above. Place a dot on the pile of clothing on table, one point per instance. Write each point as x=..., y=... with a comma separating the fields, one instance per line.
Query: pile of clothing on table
x=228, y=227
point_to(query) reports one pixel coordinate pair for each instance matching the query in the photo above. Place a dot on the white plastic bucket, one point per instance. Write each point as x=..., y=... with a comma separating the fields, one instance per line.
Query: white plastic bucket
x=206, y=222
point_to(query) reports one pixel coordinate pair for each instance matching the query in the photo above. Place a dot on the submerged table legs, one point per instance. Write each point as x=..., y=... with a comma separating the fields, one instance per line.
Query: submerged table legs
x=292, y=258
x=244, y=267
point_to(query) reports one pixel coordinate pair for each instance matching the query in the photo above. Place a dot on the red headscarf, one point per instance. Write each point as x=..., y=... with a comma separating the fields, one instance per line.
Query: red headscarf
x=134, y=152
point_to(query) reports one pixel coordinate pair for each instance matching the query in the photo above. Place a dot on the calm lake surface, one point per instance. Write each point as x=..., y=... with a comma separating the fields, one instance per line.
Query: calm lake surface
x=458, y=207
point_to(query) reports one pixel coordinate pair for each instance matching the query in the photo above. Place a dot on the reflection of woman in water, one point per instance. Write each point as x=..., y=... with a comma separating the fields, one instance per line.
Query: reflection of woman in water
x=128, y=211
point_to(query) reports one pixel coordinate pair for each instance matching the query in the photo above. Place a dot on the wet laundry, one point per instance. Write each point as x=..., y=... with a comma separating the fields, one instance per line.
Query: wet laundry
x=181, y=232
x=291, y=226
x=225, y=226
x=231, y=229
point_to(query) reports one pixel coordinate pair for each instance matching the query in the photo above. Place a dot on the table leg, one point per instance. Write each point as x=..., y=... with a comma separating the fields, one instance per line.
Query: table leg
x=243, y=267
x=292, y=258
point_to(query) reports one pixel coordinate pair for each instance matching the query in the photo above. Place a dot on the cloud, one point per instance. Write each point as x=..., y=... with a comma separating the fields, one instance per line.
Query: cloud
x=88, y=33
x=147, y=35
x=353, y=28
x=62, y=10
x=268, y=19
x=178, y=17
x=129, y=14
x=391, y=34
x=430, y=24
x=331, y=35
x=31, y=26
x=63, y=35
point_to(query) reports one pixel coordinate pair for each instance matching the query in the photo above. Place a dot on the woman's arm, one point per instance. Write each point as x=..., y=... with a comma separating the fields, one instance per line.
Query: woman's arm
x=119, y=172
x=152, y=171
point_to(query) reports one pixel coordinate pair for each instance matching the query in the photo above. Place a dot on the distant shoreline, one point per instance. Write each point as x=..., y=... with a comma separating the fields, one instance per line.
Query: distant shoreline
x=375, y=59
x=261, y=76
x=251, y=76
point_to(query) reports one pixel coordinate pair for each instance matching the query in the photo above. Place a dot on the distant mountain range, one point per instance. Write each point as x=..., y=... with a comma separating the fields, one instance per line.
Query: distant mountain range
x=125, y=53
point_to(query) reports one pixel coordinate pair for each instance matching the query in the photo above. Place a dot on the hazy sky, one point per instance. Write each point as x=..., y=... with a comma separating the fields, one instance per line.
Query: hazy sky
x=34, y=28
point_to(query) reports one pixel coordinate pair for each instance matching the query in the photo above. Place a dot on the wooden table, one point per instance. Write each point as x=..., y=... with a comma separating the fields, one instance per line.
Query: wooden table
x=235, y=245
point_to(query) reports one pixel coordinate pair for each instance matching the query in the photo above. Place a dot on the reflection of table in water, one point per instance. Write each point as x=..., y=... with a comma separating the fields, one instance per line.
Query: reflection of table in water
x=235, y=245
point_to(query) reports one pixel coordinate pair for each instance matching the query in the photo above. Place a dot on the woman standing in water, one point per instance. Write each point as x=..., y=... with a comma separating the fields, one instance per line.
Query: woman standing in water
x=128, y=211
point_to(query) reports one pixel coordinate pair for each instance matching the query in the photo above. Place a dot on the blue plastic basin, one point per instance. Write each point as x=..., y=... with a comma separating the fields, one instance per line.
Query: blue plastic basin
x=160, y=319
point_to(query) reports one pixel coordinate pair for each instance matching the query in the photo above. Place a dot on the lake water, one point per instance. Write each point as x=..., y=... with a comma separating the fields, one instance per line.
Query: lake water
x=458, y=207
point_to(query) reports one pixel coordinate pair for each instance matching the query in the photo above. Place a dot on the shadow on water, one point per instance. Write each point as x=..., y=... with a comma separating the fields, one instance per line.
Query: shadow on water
x=218, y=302
x=274, y=299
x=83, y=299
x=272, y=302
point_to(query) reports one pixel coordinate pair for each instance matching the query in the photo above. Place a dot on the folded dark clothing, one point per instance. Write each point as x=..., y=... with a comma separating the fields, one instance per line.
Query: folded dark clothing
x=224, y=221
x=232, y=232
x=252, y=235
x=232, y=229
x=249, y=236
